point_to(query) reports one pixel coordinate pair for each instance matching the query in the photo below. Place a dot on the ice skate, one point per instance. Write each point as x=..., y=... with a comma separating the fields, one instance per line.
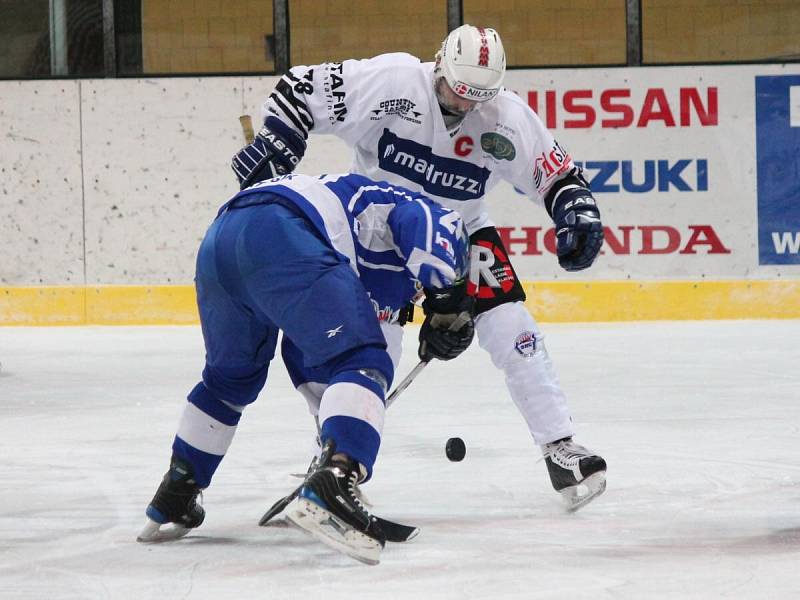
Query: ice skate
x=175, y=503
x=328, y=508
x=312, y=466
x=575, y=472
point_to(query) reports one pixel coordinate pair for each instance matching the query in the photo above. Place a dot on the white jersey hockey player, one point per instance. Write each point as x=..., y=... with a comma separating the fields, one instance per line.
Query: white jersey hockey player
x=450, y=130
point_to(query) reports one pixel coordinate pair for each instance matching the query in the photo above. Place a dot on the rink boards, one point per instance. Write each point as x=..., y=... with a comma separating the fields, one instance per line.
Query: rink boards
x=553, y=302
x=109, y=185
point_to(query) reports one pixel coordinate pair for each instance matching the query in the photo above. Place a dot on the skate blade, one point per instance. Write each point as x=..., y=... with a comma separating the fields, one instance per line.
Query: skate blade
x=333, y=532
x=578, y=496
x=152, y=532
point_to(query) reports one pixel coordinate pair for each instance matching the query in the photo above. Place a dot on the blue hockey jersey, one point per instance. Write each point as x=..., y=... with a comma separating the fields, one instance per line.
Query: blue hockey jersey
x=396, y=240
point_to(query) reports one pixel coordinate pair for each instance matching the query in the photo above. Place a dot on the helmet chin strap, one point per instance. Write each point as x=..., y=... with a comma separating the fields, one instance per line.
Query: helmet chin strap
x=451, y=119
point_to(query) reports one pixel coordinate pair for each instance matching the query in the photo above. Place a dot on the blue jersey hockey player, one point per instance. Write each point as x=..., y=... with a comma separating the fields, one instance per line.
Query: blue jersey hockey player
x=322, y=259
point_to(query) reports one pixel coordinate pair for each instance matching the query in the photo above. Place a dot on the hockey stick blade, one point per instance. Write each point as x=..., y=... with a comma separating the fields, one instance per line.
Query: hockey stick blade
x=395, y=532
x=278, y=507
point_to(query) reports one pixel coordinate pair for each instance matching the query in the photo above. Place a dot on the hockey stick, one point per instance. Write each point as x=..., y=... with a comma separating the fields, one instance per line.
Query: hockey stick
x=395, y=532
x=406, y=382
x=247, y=128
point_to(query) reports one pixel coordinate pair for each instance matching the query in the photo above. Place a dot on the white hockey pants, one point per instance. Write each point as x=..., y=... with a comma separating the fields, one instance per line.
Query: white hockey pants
x=505, y=333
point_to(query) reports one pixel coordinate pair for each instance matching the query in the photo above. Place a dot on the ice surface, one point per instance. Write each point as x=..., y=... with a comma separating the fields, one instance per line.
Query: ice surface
x=698, y=422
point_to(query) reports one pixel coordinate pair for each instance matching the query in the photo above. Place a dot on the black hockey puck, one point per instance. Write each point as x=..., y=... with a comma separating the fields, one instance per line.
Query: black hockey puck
x=455, y=449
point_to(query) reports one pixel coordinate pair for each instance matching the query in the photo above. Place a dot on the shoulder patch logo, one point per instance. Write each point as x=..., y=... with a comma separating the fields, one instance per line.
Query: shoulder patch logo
x=498, y=146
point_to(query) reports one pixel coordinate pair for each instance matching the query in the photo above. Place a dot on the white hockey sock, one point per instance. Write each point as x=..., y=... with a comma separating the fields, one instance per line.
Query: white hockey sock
x=353, y=416
x=351, y=400
x=204, y=432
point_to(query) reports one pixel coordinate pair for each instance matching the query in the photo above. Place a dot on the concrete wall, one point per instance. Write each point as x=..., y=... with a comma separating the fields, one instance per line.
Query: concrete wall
x=41, y=184
x=114, y=181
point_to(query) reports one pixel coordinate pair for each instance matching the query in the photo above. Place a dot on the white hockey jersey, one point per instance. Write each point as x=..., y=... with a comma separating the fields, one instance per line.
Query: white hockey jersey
x=386, y=109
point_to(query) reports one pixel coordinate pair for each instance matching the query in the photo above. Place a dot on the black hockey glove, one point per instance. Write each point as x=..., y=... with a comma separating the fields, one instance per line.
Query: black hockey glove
x=449, y=327
x=579, y=232
x=276, y=150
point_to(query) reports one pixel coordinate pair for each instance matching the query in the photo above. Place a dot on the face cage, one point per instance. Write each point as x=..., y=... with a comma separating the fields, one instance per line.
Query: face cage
x=447, y=102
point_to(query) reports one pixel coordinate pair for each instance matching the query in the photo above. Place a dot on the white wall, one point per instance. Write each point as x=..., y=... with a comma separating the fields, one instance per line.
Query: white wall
x=41, y=184
x=115, y=181
x=155, y=160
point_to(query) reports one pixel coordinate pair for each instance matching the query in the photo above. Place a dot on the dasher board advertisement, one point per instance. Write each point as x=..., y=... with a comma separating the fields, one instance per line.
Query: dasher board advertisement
x=696, y=170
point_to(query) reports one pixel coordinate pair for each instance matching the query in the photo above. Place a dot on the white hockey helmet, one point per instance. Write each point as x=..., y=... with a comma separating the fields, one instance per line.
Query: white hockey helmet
x=473, y=62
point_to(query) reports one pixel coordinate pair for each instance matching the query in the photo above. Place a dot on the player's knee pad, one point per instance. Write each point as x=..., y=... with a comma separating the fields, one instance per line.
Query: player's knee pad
x=509, y=334
x=368, y=366
x=239, y=386
x=224, y=412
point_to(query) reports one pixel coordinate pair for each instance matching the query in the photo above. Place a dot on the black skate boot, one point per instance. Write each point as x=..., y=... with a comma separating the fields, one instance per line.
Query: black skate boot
x=312, y=466
x=175, y=502
x=575, y=472
x=329, y=509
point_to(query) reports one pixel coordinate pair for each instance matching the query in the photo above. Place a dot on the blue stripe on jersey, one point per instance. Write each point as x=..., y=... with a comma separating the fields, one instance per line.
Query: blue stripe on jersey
x=437, y=175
